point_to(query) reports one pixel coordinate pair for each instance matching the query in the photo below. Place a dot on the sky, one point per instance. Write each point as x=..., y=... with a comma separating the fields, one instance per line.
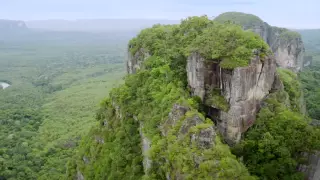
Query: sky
x=284, y=13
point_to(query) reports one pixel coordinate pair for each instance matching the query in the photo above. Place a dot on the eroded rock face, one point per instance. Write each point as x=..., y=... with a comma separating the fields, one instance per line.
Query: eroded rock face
x=176, y=114
x=289, y=54
x=135, y=61
x=312, y=170
x=244, y=88
x=79, y=176
x=145, y=146
x=285, y=44
x=204, y=139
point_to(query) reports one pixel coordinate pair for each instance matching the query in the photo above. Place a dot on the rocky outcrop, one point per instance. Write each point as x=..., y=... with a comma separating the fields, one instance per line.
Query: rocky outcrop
x=204, y=139
x=285, y=44
x=277, y=84
x=186, y=124
x=243, y=88
x=288, y=48
x=145, y=146
x=79, y=176
x=312, y=170
x=135, y=61
x=174, y=116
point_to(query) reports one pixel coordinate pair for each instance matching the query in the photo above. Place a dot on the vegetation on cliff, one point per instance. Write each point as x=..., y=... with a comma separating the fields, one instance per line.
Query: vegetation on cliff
x=148, y=97
x=292, y=86
x=310, y=76
x=289, y=35
x=310, y=79
x=55, y=88
x=140, y=109
x=248, y=20
x=57, y=83
x=225, y=43
x=272, y=147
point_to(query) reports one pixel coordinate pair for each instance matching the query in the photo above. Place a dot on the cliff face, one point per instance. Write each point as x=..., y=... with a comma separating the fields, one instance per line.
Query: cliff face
x=154, y=127
x=135, y=61
x=243, y=88
x=233, y=96
x=312, y=170
x=286, y=45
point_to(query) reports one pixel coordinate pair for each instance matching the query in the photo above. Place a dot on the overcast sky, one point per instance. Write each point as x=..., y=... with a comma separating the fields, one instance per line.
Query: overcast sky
x=286, y=13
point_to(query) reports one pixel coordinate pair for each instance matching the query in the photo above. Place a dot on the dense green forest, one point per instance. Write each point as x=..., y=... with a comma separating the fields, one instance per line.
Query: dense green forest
x=310, y=77
x=57, y=81
x=57, y=121
x=270, y=149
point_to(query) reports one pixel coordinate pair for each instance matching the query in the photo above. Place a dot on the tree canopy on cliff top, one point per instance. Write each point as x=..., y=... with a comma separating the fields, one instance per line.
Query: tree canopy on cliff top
x=226, y=43
x=239, y=18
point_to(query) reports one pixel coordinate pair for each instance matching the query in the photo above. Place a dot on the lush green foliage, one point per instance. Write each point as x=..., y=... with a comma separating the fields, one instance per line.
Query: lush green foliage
x=112, y=151
x=227, y=42
x=293, y=87
x=147, y=98
x=271, y=148
x=289, y=35
x=311, y=40
x=216, y=100
x=310, y=79
x=56, y=87
x=247, y=20
x=180, y=151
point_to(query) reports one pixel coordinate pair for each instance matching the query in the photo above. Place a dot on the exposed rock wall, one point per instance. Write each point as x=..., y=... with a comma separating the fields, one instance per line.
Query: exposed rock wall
x=289, y=52
x=145, y=146
x=285, y=44
x=134, y=62
x=79, y=176
x=312, y=170
x=244, y=88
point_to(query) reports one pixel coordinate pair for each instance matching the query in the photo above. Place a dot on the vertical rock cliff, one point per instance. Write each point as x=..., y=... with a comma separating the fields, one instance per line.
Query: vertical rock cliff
x=286, y=45
x=244, y=88
x=188, y=87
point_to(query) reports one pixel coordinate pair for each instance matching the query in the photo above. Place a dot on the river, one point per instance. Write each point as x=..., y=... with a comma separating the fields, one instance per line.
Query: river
x=4, y=85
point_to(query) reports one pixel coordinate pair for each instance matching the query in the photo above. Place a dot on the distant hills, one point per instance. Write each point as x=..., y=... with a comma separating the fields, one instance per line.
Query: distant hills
x=74, y=31
x=97, y=25
x=12, y=26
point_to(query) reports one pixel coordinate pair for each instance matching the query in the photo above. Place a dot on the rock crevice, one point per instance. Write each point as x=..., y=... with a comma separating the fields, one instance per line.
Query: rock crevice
x=243, y=88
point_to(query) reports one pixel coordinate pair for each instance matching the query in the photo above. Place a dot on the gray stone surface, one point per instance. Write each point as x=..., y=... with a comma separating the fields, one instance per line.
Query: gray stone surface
x=79, y=176
x=312, y=169
x=134, y=62
x=244, y=88
x=289, y=54
x=145, y=146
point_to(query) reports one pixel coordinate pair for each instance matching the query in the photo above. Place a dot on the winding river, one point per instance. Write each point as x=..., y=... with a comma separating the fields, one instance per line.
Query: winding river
x=4, y=85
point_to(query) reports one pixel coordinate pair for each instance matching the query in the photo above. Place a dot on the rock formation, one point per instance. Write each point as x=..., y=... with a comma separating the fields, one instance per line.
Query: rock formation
x=312, y=170
x=227, y=86
x=244, y=88
x=286, y=45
